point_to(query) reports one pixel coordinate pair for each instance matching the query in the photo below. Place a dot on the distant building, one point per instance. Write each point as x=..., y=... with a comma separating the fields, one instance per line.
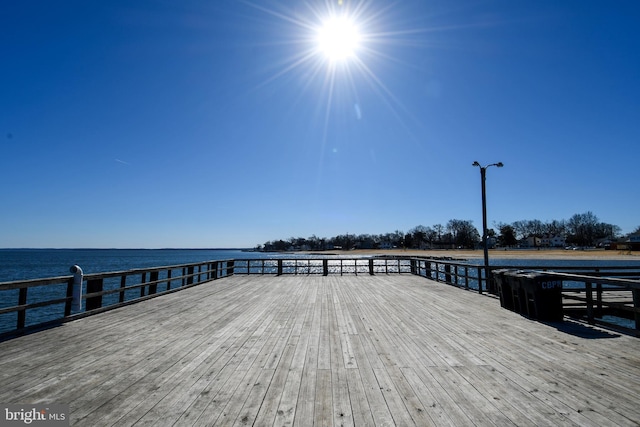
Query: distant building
x=604, y=242
x=557, y=241
x=545, y=242
x=532, y=242
x=630, y=243
x=365, y=244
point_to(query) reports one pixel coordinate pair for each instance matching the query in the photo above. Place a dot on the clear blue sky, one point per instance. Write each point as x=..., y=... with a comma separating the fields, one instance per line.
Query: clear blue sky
x=219, y=124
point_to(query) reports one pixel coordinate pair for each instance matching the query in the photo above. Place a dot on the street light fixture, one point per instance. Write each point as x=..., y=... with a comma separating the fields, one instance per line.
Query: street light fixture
x=483, y=176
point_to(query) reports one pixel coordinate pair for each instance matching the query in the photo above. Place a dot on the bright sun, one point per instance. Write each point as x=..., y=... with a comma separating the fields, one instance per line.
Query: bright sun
x=338, y=38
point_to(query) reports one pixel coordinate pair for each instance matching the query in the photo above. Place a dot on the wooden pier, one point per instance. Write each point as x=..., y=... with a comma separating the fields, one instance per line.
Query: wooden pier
x=301, y=350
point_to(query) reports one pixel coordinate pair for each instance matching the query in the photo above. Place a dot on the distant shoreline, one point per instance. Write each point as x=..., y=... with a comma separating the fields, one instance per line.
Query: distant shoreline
x=494, y=253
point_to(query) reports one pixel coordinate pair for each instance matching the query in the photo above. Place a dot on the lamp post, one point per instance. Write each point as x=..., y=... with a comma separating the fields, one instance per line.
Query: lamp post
x=483, y=176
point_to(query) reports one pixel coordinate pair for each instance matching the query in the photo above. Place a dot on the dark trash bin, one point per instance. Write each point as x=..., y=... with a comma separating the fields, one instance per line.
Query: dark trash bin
x=537, y=295
x=503, y=285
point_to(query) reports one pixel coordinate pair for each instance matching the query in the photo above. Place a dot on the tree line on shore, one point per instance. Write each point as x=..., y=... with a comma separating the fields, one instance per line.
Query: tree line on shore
x=583, y=230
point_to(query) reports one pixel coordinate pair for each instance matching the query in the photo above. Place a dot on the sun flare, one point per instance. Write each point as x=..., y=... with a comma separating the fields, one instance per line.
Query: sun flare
x=334, y=48
x=338, y=38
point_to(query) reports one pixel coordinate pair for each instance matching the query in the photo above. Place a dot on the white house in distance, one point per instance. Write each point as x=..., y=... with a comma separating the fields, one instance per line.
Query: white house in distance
x=545, y=242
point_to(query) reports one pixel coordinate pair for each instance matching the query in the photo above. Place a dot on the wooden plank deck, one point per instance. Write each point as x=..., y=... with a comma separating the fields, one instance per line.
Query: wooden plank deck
x=312, y=350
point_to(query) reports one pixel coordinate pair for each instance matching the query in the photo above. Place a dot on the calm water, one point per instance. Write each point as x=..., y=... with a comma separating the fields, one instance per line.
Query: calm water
x=23, y=264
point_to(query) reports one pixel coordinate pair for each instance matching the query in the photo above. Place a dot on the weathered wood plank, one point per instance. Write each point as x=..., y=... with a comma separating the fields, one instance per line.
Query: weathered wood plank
x=323, y=402
x=342, y=415
x=377, y=404
x=442, y=410
x=360, y=409
x=412, y=403
x=268, y=410
x=254, y=396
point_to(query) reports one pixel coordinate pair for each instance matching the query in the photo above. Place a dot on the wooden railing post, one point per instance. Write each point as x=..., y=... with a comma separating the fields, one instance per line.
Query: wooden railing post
x=93, y=286
x=123, y=285
x=22, y=314
x=143, y=280
x=636, y=305
x=598, y=300
x=69, y=303
x=589, y=295
x=371, y=272
x=325, y=267
x=447, y=273
x=153, y=277
x=230, y=268
x=190, y=275
x=215, y=270
x=279, y=273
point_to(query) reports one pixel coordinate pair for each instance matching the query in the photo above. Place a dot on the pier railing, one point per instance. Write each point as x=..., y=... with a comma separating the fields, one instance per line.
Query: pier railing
x=602, y=300
x=593, y=294
x=451, y=272
x=323, y=266
x=31, y=304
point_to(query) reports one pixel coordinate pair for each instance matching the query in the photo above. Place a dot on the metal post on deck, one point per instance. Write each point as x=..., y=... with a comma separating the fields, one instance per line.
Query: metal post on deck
x=76, y=303
x=483, y=178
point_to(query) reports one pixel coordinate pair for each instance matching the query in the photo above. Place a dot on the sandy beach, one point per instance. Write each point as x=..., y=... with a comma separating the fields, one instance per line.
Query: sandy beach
x=499, y=253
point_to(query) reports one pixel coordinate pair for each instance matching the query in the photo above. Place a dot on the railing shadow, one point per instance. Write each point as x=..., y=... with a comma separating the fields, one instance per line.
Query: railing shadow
x=28, y=330
x=581, y=330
